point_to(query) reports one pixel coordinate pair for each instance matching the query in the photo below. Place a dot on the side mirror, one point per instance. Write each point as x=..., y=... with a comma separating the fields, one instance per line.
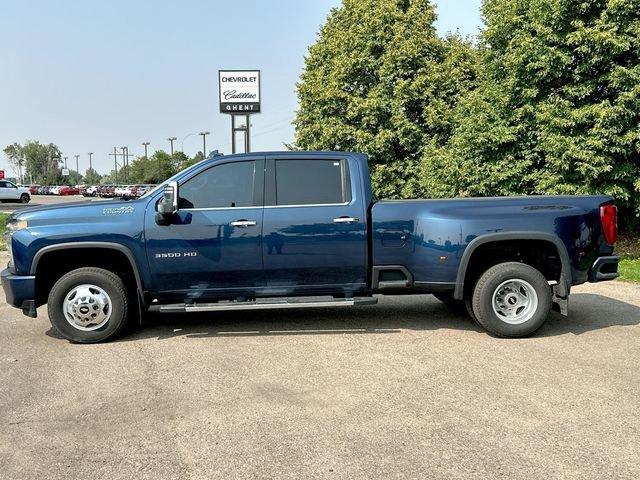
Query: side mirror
x=168, y=204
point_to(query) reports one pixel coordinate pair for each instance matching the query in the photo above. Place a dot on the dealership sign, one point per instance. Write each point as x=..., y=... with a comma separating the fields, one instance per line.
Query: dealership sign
x=239, y=91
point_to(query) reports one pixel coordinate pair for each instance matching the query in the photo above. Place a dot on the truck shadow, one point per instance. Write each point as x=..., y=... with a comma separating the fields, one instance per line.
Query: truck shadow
x=588, y=312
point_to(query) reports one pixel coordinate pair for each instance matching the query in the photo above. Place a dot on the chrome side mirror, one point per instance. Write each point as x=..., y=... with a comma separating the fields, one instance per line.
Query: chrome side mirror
x=168, y=204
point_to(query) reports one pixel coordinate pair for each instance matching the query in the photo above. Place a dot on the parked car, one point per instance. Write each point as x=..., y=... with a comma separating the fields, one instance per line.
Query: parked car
x=10, y=192
x=106, y=190
x=90, y=191
x=66, y=190
x=33, y=189
x=277, y=230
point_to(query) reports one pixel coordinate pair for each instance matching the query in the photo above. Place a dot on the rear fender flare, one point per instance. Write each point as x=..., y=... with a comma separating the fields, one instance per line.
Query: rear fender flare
x=565, y=275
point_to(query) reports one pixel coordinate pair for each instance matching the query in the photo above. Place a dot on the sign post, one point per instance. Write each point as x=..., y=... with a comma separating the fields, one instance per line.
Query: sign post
x=239, y=94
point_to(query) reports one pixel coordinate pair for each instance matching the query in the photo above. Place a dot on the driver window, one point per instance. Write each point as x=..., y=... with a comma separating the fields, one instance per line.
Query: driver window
x=226, y=185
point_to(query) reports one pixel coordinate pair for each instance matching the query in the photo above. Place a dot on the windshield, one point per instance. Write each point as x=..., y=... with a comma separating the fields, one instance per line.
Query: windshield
x=161, y=185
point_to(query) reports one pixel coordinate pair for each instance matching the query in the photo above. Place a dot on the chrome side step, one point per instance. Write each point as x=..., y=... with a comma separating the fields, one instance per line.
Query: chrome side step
x=262, y=304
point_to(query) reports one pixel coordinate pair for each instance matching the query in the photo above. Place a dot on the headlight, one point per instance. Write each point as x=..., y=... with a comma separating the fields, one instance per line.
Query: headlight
x=16, y=225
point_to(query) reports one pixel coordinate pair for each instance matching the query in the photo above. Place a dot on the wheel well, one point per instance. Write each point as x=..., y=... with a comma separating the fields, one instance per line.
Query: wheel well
x=53, y=265
x=540, y=254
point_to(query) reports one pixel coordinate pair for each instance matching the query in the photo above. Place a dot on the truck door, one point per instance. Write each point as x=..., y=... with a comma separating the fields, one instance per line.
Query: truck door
x=214, y=243
x=314, y=226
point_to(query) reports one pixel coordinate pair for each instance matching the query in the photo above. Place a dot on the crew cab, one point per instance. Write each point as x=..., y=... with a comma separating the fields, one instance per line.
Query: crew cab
x=301, y=229
x=10, y=192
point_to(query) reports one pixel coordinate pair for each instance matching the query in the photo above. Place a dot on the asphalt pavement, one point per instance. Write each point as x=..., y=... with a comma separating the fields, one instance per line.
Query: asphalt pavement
x=404, y=389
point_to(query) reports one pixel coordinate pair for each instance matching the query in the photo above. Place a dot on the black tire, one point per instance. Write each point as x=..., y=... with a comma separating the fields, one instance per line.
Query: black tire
x=107, y=281
x=488, y=283
x=25, y=198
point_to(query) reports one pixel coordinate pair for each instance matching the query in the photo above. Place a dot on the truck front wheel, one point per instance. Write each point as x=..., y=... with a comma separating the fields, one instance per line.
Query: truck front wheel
x=511, y=299
x=88, y=305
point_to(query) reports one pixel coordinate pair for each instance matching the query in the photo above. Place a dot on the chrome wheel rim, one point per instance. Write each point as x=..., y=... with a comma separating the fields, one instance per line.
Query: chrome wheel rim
x=87, y=307
x=515, y=301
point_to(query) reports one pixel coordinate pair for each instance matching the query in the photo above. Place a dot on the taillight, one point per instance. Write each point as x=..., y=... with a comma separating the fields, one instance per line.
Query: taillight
x=609, y=220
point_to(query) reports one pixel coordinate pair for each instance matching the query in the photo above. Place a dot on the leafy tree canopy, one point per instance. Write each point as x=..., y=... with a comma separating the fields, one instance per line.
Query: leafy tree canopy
x=380, y=81
x=41, y=162
x=557, y=108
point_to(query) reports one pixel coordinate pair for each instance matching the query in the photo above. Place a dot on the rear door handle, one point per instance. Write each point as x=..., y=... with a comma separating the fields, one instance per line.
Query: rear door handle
x=243, y=223
x=346, y=220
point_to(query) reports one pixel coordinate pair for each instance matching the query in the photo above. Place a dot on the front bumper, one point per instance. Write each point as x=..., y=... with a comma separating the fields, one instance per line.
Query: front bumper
x=604, y=268
x=20, y=291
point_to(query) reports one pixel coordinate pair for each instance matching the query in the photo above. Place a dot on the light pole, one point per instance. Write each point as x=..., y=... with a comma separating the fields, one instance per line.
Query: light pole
x=204, y=143
x=172, y=139
x=90, y=161
x=125, y=162
x=65, y=162
x=77, y=163
x=145, y=144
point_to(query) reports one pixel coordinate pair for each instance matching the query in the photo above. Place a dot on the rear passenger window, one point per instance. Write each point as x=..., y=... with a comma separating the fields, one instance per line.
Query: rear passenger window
x=307, y=182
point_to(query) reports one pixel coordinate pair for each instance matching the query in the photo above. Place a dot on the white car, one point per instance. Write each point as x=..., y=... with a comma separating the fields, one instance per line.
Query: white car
x=91, y=191
x=12, y=193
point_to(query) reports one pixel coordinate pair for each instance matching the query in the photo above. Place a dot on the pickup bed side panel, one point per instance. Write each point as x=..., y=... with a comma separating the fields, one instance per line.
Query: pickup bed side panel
x=429, y=237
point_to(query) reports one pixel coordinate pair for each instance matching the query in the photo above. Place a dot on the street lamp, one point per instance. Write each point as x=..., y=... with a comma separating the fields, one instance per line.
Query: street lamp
x=90, y=161
x=125, y=162
x=204, y=143
x=65, y=162
x=172, y=139
x=146, y=144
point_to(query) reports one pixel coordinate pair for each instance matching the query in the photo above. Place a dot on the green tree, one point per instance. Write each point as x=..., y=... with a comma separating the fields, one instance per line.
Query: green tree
x=557, y=106
x=41, y=162
x=15, y=157
x=187, y=162
x=379, y=80
x=74, y=178
x=109, y=178
x=92, y=177
x=154, y=169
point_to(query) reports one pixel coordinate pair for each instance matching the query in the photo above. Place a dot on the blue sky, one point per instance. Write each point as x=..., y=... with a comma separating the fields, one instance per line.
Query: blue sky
x=89, y=76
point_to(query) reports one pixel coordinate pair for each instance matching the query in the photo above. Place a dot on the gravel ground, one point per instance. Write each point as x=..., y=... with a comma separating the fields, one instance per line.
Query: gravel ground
x=405, y=389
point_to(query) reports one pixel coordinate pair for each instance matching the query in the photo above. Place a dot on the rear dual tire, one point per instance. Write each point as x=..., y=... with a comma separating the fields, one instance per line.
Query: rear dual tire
x=511, y=299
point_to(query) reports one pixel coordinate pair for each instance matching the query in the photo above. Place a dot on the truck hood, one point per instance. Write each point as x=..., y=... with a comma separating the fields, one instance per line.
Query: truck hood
x=73, y=210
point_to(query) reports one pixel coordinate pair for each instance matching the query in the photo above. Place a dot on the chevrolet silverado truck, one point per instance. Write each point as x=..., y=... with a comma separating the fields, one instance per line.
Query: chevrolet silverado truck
x=301, y=229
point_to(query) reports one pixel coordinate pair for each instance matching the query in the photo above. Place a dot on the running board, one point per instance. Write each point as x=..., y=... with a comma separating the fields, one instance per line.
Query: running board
x=263, y=304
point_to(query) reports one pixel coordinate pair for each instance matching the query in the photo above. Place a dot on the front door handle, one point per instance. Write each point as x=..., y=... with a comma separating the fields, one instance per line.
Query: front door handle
x=346, y=220
x=244, y=223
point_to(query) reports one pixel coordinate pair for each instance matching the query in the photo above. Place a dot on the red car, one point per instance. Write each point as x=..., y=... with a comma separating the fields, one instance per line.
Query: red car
x=33, y=189
x=69, y=191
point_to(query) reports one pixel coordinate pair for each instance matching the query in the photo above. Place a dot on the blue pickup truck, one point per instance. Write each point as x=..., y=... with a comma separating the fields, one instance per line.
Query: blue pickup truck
x=301, y=229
